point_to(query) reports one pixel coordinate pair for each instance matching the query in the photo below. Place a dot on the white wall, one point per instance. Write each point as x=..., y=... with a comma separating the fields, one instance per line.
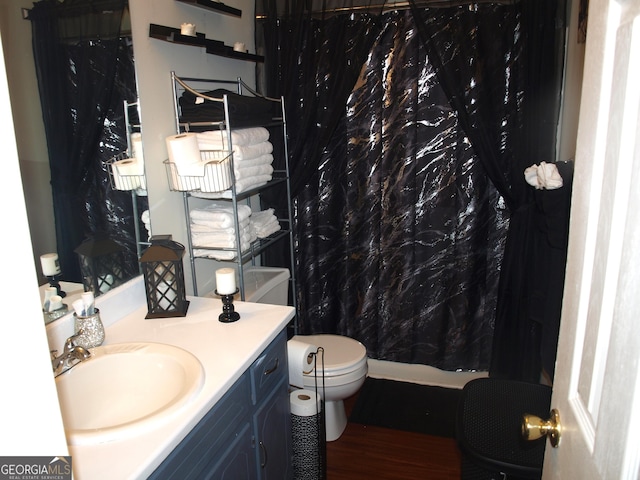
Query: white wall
x=30, y=416
x=572, y=89
x=155, y=59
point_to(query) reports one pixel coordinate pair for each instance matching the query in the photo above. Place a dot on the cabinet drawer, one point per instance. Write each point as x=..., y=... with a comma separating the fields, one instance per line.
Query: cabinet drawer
x=270, y=368
x=209, y=437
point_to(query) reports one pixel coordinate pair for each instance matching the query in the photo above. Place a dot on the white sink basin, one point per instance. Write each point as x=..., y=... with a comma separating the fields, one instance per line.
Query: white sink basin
x=124, y=389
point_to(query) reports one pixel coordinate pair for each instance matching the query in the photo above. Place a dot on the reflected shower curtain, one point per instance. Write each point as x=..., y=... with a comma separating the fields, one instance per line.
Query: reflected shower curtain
x=85, y=71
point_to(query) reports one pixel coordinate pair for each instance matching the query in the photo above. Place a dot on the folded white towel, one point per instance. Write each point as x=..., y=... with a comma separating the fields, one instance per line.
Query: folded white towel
x=221, y=240
x=242, y=137
x=243, y=173
x=215, y=254
x=214, y=226
x=240, y=152
x=265, y=222
x=248, y=183
x=266, y=159
x=219, y=212
x=268, y=229
x=544, y=176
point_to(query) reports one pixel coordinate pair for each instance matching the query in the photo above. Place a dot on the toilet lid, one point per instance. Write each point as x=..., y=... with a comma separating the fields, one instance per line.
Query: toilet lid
x=341, y=354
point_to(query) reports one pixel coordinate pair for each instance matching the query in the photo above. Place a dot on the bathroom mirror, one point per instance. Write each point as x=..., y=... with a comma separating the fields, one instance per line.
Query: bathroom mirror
x=33, y=149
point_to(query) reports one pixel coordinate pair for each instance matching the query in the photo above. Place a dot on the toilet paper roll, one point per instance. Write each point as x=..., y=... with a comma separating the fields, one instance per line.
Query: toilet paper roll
x=136, y=147
x=304, y=403
x=129, y=166
x=184, y=153
x=301, y=360
x=308, y=437
x=126, y=174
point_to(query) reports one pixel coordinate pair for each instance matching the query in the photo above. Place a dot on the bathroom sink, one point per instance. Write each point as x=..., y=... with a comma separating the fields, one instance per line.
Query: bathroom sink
x=124, y=389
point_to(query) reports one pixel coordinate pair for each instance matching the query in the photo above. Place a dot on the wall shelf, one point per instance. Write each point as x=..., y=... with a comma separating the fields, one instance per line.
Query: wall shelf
x=218, y=7
x=214, y=47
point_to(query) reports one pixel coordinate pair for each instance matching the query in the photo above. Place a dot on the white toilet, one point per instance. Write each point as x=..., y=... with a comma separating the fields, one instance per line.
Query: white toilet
x=345, y=369
x=345, y=359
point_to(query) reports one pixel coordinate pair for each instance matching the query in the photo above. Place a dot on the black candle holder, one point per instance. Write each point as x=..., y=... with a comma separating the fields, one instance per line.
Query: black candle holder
x=54, y=281
x=228, y=314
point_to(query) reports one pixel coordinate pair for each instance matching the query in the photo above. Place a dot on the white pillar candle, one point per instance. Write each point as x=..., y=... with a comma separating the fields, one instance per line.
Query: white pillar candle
x=50, y=264
x=226, y=281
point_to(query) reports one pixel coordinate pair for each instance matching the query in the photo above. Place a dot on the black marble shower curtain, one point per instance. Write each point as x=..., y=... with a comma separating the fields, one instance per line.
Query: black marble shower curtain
x=400, y=234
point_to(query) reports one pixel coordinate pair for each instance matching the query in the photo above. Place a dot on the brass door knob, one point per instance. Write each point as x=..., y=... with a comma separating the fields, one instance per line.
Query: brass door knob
x=533, y=427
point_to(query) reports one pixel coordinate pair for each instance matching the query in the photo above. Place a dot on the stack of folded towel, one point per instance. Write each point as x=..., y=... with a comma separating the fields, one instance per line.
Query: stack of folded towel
x=264, y=223
x=213, y=230
x=213, y=227
x=252, y=154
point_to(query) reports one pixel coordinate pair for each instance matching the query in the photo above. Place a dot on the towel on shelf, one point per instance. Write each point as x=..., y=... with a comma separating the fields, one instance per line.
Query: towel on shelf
x=221, y=240
x=262, y=160
x=212, y=242
x=265, y=223
x=215, y=254
x=245, y=184
x=205, y=226
x=544, y=176
x=215, y=141
x=241, y=186
x=242, y=137
x=146, y=220
x=244, y=173
x=218, y=212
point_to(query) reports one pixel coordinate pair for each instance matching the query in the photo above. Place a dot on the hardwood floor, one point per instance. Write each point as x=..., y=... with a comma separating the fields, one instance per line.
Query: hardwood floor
x=367, y=452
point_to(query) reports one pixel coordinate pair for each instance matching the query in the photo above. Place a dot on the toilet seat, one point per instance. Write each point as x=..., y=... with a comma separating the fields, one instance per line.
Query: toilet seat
x=342, y=355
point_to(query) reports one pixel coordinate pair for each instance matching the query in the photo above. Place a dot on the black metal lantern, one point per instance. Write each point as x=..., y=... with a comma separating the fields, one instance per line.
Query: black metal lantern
x=164, y=278
x=101, y=264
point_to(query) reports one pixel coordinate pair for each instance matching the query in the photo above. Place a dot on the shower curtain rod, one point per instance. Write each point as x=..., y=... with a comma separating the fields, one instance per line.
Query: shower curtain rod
x=404, y=5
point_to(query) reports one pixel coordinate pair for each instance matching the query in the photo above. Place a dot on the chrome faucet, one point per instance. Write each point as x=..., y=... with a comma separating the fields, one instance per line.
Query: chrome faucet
x=71, y=356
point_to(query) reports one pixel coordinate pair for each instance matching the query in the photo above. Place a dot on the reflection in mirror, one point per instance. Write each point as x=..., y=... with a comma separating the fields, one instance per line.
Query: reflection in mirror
x=86, y=79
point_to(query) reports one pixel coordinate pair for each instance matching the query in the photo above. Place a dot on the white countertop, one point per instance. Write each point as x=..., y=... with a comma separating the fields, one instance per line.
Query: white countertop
x=225, y=350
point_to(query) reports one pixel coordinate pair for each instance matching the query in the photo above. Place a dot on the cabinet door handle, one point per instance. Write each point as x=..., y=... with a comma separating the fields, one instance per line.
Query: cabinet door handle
x=275, y=367
x=264, y=454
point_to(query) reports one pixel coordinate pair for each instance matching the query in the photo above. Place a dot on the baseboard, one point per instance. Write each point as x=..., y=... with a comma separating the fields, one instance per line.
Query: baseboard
x=422, y=374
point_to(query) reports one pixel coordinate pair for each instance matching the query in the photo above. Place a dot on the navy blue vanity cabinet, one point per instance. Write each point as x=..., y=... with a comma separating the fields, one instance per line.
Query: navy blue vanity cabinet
x=247, y=434
x=271, y=417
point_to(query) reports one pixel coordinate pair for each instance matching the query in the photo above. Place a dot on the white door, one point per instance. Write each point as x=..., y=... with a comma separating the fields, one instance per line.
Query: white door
x=597, y=384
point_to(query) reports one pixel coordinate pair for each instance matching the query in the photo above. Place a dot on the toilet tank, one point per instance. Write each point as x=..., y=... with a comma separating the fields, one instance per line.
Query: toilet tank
x=266, y=285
